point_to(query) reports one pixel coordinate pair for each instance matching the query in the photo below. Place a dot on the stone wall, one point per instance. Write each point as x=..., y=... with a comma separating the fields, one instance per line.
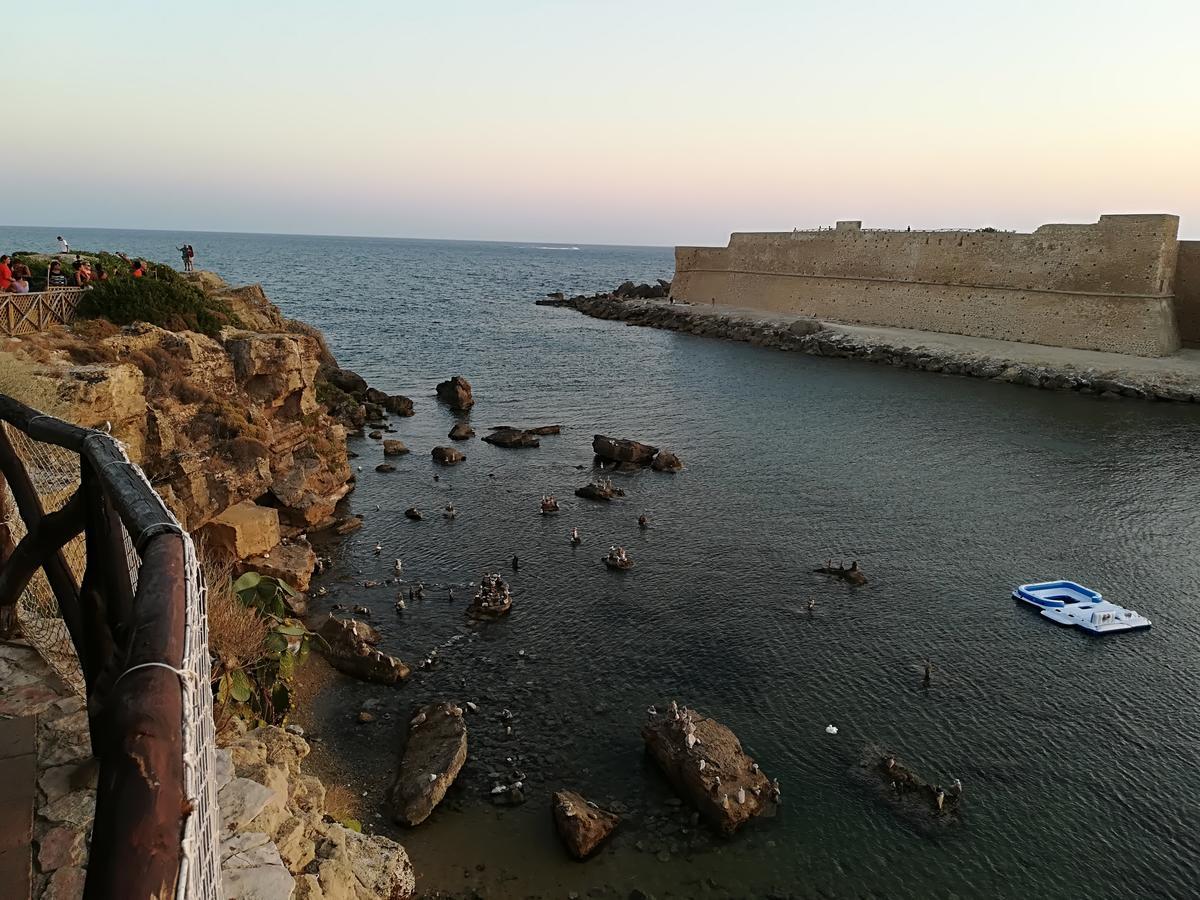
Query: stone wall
x=1187, y=293
x=1104, y=286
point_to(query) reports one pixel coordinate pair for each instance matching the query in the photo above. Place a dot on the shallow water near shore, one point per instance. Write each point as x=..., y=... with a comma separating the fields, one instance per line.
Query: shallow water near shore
x=1077, y=754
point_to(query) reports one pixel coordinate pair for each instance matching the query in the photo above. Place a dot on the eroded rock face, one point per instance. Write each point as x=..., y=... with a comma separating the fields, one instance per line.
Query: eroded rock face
x=350, y=650
x=292, y=562
x=461, y=432
x=582, y=827
x=512, y=437
x=447, y=456
x=244, y=530
x=456, y=393
x=623, y=451
x=729, y=789
x=433, y=756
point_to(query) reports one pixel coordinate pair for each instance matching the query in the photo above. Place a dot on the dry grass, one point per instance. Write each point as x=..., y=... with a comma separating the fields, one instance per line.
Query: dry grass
x=342, y=802
x=237, y=634
x=19, y=379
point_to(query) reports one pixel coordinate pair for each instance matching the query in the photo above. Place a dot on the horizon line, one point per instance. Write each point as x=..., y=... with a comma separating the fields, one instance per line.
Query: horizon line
x=365, y=237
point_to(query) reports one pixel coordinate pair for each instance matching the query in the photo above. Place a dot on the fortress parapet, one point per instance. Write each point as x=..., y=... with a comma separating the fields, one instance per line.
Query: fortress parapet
x=1109, y=286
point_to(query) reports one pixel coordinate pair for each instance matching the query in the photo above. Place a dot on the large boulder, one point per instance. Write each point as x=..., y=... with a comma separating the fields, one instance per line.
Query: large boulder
x=729, y=789
x=447, y=456
x=511, y=437
x=348, y=647
x=666, y=461
x=343, y=379
x=244, y=530
x=433, y=756
x=396, y=404
x=292, y=562
x=456, y=393
x=582, y=827
x=392, y=447
x=461, y=432
x=623, y=451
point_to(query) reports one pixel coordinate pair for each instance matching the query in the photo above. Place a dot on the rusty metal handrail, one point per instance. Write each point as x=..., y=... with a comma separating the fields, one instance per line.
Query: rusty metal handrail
x=131, y=644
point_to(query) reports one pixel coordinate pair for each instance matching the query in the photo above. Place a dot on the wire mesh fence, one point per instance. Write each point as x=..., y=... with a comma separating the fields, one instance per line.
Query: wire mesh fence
x=55, y=474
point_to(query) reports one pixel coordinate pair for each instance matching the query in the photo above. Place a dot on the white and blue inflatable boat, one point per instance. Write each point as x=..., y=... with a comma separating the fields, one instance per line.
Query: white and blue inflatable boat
x=1068, y=603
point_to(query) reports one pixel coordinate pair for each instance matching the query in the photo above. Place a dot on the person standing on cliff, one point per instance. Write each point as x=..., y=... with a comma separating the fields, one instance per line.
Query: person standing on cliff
x=63, y=246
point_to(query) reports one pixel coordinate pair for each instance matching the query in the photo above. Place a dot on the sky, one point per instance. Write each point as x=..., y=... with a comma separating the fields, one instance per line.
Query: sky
x=650, y=122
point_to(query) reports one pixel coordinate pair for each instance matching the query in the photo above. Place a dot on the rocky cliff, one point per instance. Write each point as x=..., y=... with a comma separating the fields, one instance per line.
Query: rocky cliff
x=217, y=423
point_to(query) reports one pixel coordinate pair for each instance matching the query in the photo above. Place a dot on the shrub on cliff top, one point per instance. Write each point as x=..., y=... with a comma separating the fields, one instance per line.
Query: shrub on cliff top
x=170, y=303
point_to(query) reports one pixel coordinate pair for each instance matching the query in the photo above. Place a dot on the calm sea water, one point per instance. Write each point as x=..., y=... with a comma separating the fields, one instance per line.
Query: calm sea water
x=1078, y=755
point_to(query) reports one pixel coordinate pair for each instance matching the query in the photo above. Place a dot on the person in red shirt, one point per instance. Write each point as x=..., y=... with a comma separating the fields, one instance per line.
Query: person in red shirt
x=6, y=275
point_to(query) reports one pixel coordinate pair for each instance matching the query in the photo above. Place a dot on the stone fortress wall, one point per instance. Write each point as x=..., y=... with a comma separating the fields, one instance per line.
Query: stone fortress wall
x=1103, y=286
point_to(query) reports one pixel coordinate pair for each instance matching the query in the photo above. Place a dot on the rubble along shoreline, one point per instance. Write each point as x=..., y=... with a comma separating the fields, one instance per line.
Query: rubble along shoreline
x=814, y=338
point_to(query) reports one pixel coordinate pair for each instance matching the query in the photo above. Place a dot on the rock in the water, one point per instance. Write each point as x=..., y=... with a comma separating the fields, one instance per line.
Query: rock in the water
x=396, y=404
x=512, y=437
x=436, y=750
x=447, y=456
x=456, y=393
x=385, y=467
x=413, y=513
x=728, y=772
x=666, y=461
x=461, y=432
x=851, y=574
x=545, y=429
x=907, y=793
x=347, y=646
x=393, y=447
x=376, y=435
x=582, y=828
x=604, y=492
x=624, y=451
x=348, y=525
x=345, y=380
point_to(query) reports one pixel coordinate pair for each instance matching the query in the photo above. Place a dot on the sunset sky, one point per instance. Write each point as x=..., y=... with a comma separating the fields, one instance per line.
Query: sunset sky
x=615, y=122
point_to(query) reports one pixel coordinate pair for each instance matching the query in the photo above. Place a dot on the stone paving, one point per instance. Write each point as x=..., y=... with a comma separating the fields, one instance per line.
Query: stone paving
x=61, y=766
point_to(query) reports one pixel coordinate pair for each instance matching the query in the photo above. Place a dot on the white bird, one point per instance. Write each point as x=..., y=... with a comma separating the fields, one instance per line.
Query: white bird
x=360, y=468
x=754, y=768
x=472, y=707
x=831, y=729
x=378, y=549
x=398, y=568
x=703, y=763
x=400, y=603
x=725, y=800
x=651, y=711
x=498, y=789
x=741, y=795
x=418, y=719
x=432, y=777
x=691, y=741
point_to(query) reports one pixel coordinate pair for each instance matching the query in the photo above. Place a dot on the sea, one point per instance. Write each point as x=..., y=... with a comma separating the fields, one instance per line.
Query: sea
x=1078, y=756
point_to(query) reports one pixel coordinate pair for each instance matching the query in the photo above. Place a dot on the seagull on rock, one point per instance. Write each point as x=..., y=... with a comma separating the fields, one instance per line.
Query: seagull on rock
x=398, y=567
x=378, y=549
x=741, y=795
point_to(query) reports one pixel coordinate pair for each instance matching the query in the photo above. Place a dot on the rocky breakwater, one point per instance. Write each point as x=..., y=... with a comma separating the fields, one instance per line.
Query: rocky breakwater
x=349, y=645
x=434, y=754
x=1110, y=377
x=705, y=763
x=277, y=839
x=583, y=826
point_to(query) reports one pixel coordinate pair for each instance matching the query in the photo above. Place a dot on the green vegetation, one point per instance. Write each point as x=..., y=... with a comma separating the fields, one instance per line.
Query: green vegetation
x=162, y=297
x=257, y=647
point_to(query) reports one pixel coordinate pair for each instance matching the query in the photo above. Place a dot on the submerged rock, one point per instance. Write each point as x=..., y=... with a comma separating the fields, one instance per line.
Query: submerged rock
x=714, y=774
x=623, y=451
x=908, y=795
x=434, y=754
x=581, y=826
x=347, y=644
x=461, y=432
x=447, y=456
x=852, y=574
x=512, y=437
x=456, y=393
x=385, y=467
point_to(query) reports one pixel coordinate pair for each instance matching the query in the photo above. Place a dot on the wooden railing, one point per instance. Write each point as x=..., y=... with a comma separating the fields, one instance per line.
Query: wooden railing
x=36, y=311
x=130, y=641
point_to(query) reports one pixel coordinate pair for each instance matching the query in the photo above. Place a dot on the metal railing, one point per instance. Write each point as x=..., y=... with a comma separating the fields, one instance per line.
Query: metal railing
x=81, y=525
x=38, y=310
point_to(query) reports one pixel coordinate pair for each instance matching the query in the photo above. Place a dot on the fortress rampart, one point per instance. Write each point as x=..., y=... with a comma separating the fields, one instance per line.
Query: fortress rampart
x=1109, y=286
